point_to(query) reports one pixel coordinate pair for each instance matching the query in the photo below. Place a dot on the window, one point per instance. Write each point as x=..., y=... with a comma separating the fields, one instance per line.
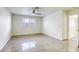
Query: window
x=29, y=22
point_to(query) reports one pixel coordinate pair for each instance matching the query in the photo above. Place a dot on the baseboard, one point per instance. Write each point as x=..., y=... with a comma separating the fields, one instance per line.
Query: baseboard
x=65, y=39
x=5, y=43
x=26, y=34
x=51, y=36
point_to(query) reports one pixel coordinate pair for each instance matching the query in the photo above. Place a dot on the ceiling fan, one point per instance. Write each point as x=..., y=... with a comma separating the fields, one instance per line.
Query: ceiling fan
x=35, y=11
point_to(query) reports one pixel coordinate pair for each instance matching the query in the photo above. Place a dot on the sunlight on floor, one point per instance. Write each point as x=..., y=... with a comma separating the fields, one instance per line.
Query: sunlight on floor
x=28, y=45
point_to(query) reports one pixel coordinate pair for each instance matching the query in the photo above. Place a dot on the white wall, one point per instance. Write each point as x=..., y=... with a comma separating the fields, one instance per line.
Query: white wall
x=52, y=24
x=20, y=29
x=5, y=26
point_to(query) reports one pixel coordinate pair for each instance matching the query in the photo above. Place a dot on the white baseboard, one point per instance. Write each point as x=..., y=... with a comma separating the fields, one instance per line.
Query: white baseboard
x=5, y=43
x=24, y=34
x=51, y=36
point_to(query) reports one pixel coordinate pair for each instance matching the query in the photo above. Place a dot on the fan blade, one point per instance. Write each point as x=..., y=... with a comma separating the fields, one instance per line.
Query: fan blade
x=38, y=13
x=36, y=7
x=33, y=11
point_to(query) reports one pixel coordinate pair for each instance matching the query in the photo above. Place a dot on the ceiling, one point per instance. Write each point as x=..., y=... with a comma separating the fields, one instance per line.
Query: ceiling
x=28, y=10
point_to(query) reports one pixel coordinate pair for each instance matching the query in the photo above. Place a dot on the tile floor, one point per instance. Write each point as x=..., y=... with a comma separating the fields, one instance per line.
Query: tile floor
x=38, y=43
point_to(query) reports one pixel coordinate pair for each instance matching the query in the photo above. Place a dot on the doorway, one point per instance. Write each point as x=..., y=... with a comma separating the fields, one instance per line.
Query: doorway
x=72, y=25
x=73, y=30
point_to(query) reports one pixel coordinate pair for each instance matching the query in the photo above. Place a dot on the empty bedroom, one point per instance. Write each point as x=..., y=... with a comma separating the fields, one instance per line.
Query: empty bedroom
x=39, y=29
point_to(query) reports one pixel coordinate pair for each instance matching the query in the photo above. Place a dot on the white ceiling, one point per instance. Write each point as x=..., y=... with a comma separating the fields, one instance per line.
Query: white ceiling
x=28, y=10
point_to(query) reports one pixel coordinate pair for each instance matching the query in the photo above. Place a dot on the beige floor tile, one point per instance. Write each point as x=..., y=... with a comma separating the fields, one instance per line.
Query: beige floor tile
x=38, y=43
